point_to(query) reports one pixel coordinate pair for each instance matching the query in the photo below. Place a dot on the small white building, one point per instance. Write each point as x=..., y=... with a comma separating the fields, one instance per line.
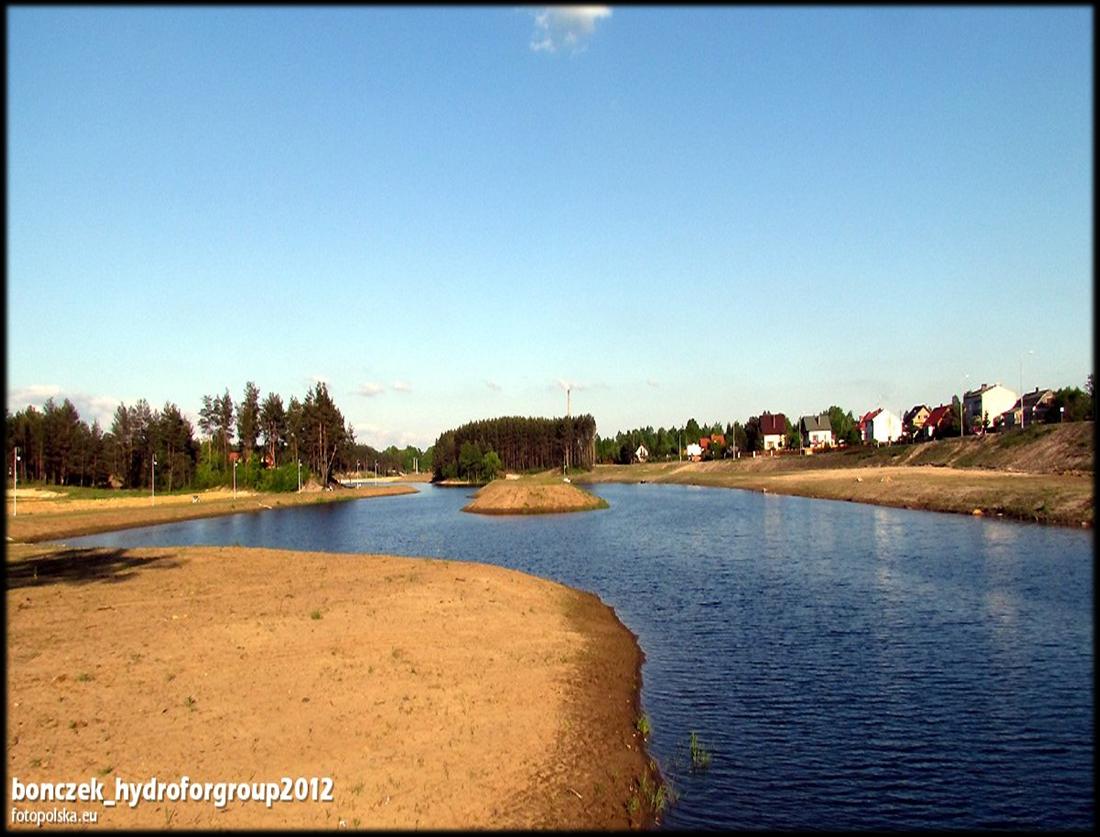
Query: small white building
x=985, y=403
x=773, y=429
x=817, y=431
x=694, y=452
x=881, y=427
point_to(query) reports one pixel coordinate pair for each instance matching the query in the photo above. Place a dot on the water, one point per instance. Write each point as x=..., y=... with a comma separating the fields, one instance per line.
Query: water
x=847, y=666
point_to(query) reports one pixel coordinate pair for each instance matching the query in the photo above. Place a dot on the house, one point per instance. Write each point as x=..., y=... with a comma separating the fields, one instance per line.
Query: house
x=864, y=421
x=817, y=431
x=880, y=426
x=982, y=405
x=1034, y=409
x=773, y=429
x=937, y=420
x=913, y=421
x=715, y=441
x=694, y=452
x=641, y=454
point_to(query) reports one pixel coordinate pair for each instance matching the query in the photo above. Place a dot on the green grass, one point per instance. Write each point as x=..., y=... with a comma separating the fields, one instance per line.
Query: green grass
x=700, y=758
x=643, y=725
x=190, y=703
x=315, y=614
x=84, y=677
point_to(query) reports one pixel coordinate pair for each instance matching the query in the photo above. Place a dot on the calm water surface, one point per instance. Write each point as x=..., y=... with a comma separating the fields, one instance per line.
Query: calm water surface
x=847, y=666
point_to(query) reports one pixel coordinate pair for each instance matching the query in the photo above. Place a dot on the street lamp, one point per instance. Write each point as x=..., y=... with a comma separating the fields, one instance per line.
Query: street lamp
x=15, y=481
x=299, y=475
x=236, y=462
x=153, y=481
x=962, y=402
x=1030, y=352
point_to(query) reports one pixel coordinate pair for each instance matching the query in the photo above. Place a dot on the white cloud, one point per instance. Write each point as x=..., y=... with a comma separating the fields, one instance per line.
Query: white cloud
x=564, y=385
x=369, y=390
x=90, y=408
x=652, y=383
x=380, y=438
x=493, y=385
x=565, y=26
x=35, y=394
x=402, y=386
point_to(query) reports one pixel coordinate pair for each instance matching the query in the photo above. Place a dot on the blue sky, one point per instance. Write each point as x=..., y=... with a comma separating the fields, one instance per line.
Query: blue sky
x=447, y=214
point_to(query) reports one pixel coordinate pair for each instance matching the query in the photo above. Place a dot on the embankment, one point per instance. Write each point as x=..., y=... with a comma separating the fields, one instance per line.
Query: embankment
x=1042, y=474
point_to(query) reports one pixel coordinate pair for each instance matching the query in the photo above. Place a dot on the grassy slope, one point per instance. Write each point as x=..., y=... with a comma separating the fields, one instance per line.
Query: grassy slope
x=1042, y=473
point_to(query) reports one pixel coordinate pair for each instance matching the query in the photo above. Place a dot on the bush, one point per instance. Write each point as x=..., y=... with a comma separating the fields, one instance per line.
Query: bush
x=207, y=476
x=283, y=478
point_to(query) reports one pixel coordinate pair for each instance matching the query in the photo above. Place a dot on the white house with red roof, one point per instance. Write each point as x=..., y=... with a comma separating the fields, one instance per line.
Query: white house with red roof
x=880, y=426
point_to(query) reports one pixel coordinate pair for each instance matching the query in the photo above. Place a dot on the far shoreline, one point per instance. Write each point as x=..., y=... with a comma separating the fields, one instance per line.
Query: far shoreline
x=50, y=520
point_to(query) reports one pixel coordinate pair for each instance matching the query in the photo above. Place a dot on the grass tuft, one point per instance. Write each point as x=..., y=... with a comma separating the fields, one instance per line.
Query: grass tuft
x=700, y=758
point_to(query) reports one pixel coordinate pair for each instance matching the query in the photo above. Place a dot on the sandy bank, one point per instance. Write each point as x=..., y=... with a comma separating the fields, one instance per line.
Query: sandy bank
x=46, y=519
x=435, y=694
x=531, y=497
x=1064, y=499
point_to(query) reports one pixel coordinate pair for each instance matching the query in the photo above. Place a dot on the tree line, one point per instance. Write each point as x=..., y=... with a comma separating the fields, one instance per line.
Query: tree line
x=479, y=449
x=261, y=441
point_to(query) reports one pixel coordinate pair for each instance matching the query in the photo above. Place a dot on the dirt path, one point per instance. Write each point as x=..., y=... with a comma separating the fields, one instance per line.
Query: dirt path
x=434, y=694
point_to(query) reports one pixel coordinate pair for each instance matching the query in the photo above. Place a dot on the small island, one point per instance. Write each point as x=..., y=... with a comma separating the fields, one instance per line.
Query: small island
x=533, y=495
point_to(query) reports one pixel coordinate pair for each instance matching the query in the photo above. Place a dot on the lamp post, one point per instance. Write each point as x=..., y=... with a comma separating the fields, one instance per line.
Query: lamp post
x=299, y=475
x=153, y=481
x=15, y=481
x=1028, y=352
x=236, y=462
x=962, y=403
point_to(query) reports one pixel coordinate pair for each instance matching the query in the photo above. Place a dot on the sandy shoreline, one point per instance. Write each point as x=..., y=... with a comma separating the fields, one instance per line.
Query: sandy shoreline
x=435, y=694
x=49, y=518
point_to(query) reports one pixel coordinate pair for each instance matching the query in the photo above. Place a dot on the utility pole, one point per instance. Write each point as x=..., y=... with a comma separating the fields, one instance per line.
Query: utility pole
x=569, y=435
x=15, y=481
x=1030, y=352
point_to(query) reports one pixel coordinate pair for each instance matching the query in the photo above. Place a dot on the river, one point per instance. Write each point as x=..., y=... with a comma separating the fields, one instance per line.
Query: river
x=845, y=665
